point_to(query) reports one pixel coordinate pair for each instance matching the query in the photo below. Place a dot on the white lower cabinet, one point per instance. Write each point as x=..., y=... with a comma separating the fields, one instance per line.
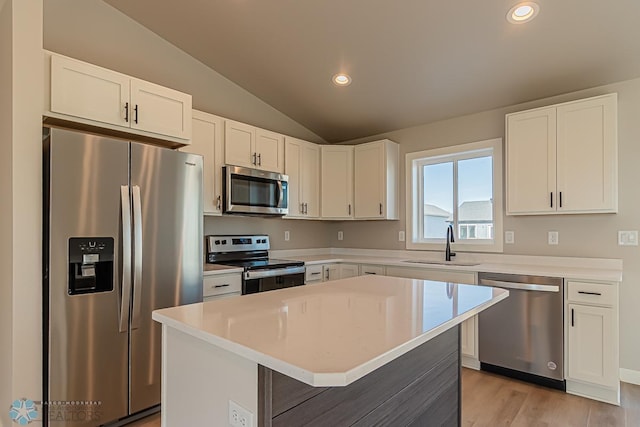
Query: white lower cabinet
x=592, y=341
x=221, y=286
x=313, y=274
x=336, y=271
x=349, y=270
x=469, y=328
x=372, y=269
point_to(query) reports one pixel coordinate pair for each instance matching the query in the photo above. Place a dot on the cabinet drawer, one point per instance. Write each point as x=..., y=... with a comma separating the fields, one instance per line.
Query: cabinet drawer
x=372, y=269
x=215, y=297
x=592, y=293
x=218, y=285
x=313, y=273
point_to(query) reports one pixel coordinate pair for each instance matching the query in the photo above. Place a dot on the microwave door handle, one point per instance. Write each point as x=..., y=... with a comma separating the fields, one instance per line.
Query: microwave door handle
x=280, y=193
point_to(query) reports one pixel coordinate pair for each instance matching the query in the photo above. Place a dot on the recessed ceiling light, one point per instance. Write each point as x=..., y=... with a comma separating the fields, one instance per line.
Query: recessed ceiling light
x=341, y=79
x=523, y=12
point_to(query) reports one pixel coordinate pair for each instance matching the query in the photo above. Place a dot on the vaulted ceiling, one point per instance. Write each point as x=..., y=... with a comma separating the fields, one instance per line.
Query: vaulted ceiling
x=412, y=61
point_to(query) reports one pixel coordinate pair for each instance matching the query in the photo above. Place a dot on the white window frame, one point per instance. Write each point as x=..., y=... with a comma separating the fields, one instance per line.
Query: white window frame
x=414, y=187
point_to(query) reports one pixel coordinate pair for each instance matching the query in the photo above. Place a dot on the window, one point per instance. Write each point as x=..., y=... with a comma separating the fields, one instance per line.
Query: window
x=458, y=186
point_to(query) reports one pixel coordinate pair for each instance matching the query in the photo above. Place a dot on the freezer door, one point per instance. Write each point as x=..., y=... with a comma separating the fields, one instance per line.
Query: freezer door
x=87, y=353
x=168, y=255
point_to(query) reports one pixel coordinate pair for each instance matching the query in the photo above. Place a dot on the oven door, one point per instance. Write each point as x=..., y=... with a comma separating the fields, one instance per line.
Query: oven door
x=269, y=280
x=251, y=191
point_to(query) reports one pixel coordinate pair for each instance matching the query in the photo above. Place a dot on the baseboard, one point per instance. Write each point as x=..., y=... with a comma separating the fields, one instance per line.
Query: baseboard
x=630, y=376
x=603, y=394
x=470, y=362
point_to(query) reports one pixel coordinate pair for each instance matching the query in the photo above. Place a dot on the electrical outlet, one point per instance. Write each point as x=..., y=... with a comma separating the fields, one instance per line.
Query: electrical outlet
x=628, y=238
x=238, y=416
x=287, y=235
x=340, y=235
x=401, y=236
x=509, y=237
x=553, y=237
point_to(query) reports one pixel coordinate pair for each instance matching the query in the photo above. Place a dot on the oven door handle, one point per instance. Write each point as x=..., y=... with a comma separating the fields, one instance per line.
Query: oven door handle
x=520, y=286
x=261, y=274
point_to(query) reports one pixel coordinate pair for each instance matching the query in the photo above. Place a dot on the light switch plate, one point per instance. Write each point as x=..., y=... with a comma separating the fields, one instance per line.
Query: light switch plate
x=628, y=238
x=401, y=236
x=340, y=235
x=553, y=237
x=287, y=236
x=509, y=237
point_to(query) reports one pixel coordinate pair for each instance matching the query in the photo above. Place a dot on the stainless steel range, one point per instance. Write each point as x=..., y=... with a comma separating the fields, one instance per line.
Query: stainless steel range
x=251, y=252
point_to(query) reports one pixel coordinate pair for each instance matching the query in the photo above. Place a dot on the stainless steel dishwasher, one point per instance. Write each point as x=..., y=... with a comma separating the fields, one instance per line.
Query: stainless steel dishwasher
x=522, y=336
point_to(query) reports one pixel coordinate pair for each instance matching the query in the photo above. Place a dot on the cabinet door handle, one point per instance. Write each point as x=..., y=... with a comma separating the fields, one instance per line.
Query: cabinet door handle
x=315, y=273
x=255, y=159
x=135, y=110
x=551, y=198
x=380, y=208
x=370, y=272
x=126, y=112
x=301, y=208
x=259, y=159
x=572, y=318
x=219, y=203
x=560, y=200
x=326, y=276
x=590, y=293
x=222, y=286
x=306, y=208
x=349, y=209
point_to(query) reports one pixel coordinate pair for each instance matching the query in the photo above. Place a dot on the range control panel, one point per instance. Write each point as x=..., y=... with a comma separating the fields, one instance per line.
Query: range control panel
x=240, y=243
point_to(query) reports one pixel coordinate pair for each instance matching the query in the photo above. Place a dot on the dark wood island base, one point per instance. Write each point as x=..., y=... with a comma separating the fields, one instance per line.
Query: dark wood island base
x=420, y=388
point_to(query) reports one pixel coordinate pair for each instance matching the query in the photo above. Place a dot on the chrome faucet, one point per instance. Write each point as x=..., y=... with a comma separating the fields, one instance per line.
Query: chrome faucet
x=447, y=253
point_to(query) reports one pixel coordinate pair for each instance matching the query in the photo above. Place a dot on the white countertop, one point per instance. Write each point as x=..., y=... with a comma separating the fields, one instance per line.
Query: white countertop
x=568, y=271
x=215, y=269
x=334, y=333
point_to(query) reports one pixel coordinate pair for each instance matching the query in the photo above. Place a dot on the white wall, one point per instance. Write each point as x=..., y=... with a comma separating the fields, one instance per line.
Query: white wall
x=6, y=214
x=21, y=80
x=593, y=236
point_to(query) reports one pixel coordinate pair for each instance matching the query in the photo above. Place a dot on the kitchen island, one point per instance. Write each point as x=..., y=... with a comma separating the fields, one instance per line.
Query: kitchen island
x=359, y=351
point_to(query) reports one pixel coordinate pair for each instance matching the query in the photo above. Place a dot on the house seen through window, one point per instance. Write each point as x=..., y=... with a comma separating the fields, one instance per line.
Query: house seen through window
x=455, y=186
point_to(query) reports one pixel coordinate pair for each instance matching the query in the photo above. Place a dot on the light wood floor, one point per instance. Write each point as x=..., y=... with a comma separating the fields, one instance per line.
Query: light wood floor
x=491, y=400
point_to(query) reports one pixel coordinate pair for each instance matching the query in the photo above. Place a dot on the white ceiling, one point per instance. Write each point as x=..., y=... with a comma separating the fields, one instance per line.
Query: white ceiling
x=412, y=61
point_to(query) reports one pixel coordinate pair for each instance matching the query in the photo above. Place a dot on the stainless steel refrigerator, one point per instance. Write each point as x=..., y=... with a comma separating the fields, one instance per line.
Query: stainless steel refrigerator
x=123, y=237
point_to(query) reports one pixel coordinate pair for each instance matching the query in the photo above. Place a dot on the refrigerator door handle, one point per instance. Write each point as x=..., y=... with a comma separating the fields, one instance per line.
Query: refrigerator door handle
x=125, y=301
x=137, y=257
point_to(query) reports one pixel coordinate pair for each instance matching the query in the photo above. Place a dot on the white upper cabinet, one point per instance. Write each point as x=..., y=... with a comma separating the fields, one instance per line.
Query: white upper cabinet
x=90, y=93
x=160, y=110
x=336, y=182
x=588, y=156
x=206, y=141
x=269, y=150
x=563, y=158
x=376, y=180
x=252, y=147
x=302, y=165
x=531, y=161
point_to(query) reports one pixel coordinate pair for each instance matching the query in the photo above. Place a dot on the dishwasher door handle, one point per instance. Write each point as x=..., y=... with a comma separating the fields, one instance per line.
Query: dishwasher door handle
x=520, y=286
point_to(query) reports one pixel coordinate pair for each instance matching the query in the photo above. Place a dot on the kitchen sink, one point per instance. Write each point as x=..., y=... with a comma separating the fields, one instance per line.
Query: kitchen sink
x=456, y=263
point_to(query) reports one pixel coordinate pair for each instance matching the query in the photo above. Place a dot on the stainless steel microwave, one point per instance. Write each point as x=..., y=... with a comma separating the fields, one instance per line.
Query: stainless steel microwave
x=254, y=192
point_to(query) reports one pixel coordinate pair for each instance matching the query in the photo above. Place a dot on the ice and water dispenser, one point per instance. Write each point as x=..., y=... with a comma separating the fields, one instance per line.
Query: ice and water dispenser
x=90, y=265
